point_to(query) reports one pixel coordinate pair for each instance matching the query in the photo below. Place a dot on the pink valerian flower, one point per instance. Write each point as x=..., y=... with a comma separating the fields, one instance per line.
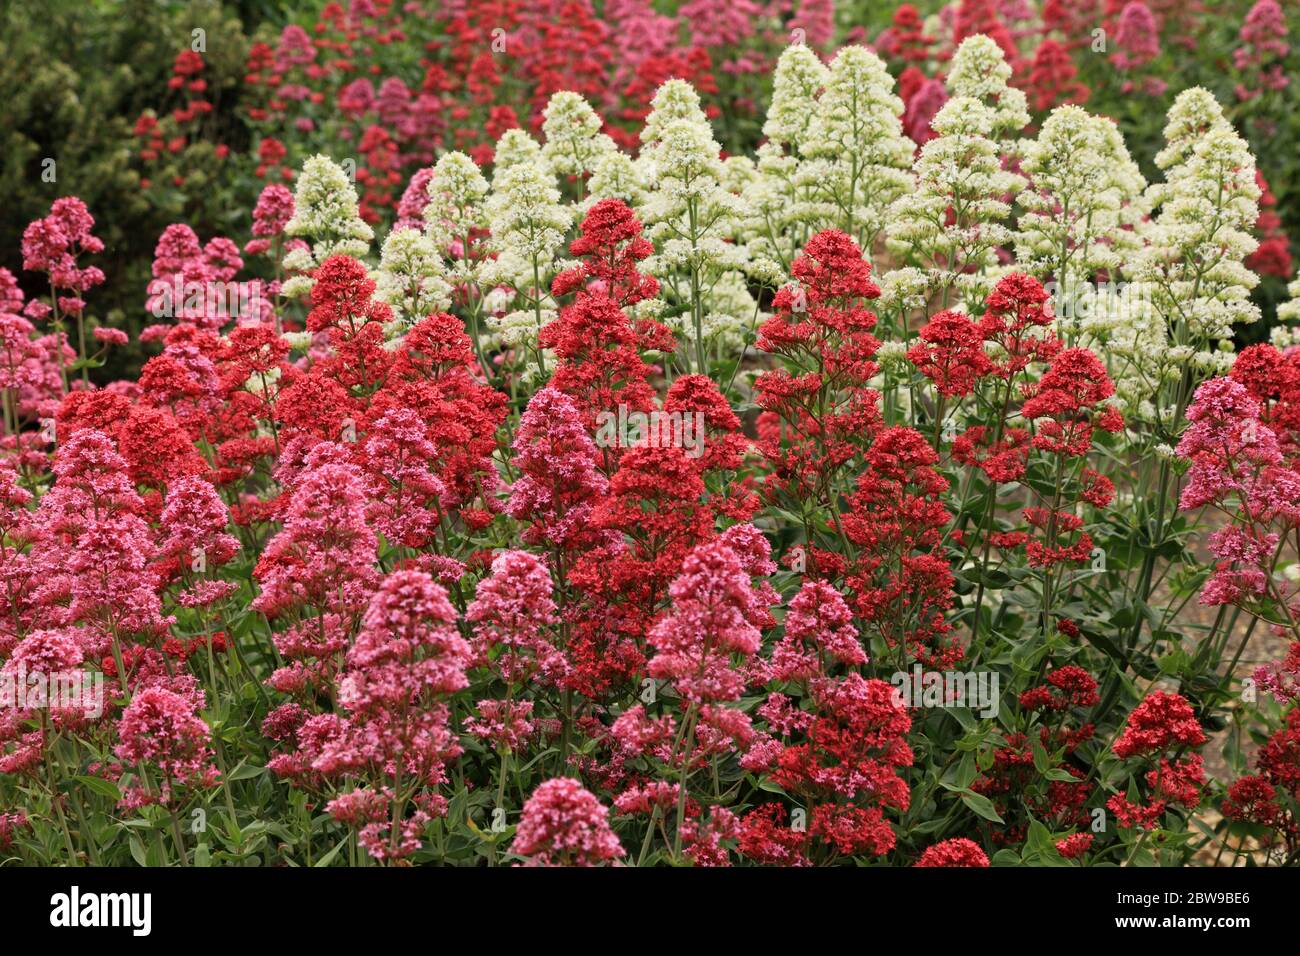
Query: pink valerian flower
x=160, y=729
x=1244, y=567
x=194, y=519
x=1138, y=37
x=93, y=550
x=410, y=209
x=20, y=357
x=1281, y=678
x=922, y=107
x=45, y=652
x=513, y=610
x=505, y=724
x=405, y=491
x=10, y=824
x=1263, y=48
x=563, y=824
x=1226, y=442
x=408, y=658
x=637, y=734
x=52, y=245
x=819, y=631
x=56, y=655
x=816, y=18
x=11, y=294
x=107, y=336
x=716, y=613
x=559, y=482
x=273, y=211
x=639, y=33
x=324, y=554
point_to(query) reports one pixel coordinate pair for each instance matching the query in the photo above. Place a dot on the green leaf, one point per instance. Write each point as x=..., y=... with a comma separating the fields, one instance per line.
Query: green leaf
x=982, y=805
x=330, y=857
x=245, y=771
x=138, y=852
x=105, y=788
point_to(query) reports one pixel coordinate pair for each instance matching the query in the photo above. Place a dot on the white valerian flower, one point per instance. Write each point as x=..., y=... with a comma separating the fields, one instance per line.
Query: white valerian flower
x=730, y=312
x=518, y=329
x=892, y=354
x=675, y=100
x=411, y=278
x=959, y=173
x=259, y=382
x=526, y=215
x=798, y=80
x=326, y=215
x=691, y=215
x=1083, y=188
x=573, y=138
x=615, y=175
x=1204, y=211
x=980, y=70
x=903, y=291
x=528, y=223
x=1289, y=311
x=779, y=211
x=514, y=147
x=457, y=191
x=857, y=138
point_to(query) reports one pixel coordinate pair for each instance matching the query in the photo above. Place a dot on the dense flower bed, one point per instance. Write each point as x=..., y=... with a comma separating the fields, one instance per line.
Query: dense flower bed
x=545, y=484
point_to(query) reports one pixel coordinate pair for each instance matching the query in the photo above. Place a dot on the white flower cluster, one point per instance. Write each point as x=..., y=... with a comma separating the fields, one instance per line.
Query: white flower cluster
x=574, y=142
x=859, y=155
x=1194, y=247
x=1152, y=277
x=457, y=191
x=691, y=213
x=327, y=216
x=980, y=71
x=956, y=219
x=411, y=278
x=1082, y=204
x=529, y=223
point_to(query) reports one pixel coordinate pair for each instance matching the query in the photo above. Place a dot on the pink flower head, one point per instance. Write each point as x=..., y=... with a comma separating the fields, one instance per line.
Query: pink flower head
x=563, y=824
x=273, y=210
x=1138, y=37
x=818, y=630
x=559, y=483
x=513, y=609
x=714, y=615
x=161, y=729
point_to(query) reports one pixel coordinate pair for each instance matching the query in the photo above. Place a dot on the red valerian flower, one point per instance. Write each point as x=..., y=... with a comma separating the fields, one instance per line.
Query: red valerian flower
x=956, y=852
x=1160, y=720
x=951, y=354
